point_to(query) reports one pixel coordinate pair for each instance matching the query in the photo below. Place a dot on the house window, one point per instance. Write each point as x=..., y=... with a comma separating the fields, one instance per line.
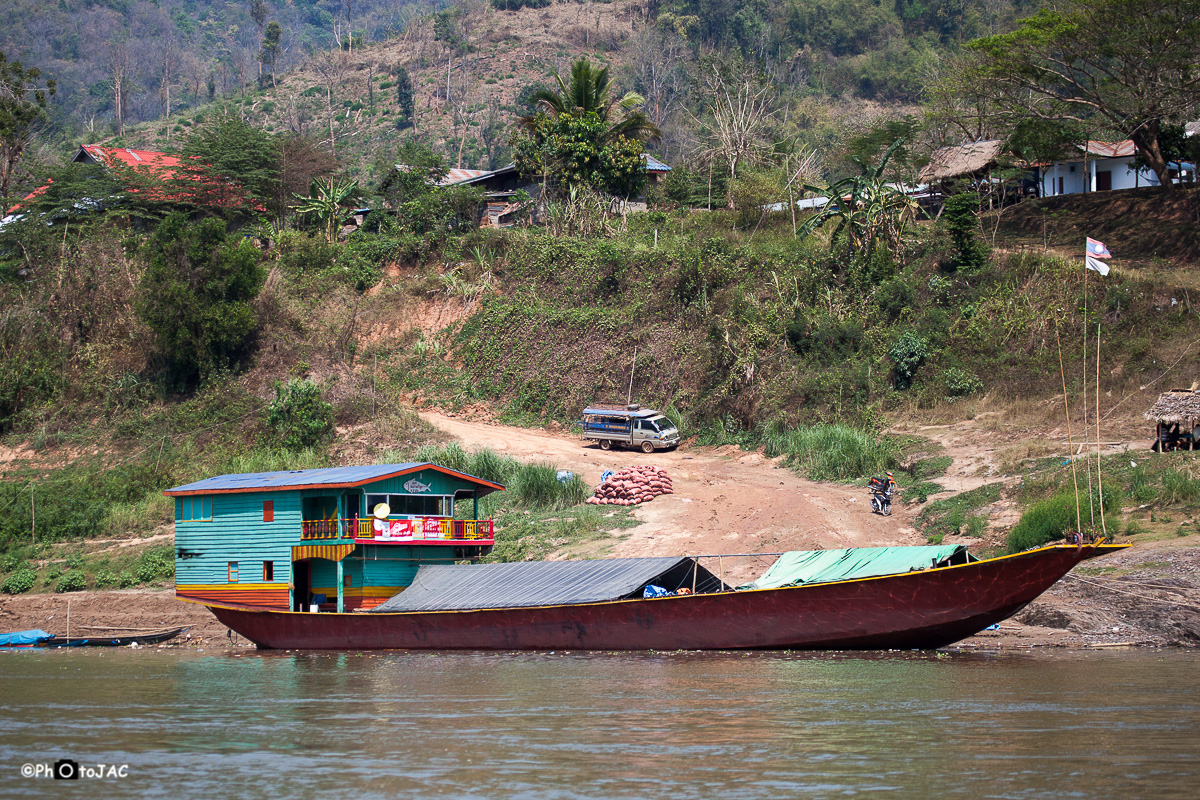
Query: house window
x=413, y=505
x=268, y=571
x=194, y=509
x=233, y=572
x=268, y=510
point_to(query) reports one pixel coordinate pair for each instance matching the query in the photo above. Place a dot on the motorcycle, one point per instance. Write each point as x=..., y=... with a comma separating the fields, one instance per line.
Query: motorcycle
x=881, y=503
x=881, y=496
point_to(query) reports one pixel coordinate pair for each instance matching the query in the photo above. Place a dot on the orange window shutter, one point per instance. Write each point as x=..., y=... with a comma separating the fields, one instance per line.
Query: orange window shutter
x=268, y=510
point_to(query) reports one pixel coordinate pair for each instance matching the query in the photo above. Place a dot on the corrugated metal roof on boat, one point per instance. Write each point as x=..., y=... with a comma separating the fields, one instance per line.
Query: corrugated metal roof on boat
x=543, y=583
x=326, y=477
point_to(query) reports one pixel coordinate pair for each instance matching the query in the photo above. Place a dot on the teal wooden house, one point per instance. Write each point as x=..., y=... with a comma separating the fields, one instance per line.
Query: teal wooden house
x=342, y=538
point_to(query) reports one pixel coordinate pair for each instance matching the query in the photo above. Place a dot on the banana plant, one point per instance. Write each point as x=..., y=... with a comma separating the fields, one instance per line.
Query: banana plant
x=867, y=208
x=328, y=200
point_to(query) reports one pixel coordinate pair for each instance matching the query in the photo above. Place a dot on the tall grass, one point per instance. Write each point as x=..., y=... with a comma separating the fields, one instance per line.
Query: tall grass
x=538, y=486
x=826, y=452
x=1179, y=487
x=1048, y=520
x=530, y=485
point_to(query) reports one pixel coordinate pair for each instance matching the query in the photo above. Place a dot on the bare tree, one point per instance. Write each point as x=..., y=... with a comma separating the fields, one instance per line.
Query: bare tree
x=332, y=66
x=738, y=105
x=118, y=69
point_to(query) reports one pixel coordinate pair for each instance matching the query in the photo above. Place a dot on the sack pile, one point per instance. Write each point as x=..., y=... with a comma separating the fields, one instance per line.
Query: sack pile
x=632, y=485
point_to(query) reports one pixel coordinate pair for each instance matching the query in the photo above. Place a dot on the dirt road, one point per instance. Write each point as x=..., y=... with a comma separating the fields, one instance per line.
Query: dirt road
x=725, y=500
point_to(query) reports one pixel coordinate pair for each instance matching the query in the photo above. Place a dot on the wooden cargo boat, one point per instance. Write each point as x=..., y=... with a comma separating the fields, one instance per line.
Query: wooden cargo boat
x=918, y=608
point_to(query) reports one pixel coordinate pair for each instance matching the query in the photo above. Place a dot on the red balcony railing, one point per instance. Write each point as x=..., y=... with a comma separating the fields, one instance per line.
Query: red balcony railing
x=420, y=529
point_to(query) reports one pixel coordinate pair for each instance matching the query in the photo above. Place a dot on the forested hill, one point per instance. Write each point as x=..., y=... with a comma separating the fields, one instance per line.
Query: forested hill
x=167, y=61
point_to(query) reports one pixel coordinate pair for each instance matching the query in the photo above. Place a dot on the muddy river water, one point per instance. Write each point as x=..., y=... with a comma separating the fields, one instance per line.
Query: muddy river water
x=216, y=724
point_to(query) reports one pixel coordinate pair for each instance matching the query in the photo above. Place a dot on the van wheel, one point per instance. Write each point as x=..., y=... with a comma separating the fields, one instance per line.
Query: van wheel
x=605, y=444
x=647, y=447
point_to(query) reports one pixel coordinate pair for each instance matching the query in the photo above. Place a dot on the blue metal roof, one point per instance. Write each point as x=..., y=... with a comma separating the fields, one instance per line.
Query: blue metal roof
x=332, y=477
x=654, y=165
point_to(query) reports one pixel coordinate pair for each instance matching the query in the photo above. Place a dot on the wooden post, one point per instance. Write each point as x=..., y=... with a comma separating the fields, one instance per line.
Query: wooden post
x=341, y=602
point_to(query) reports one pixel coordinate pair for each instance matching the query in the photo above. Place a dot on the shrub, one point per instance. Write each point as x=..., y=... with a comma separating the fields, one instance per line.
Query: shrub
x=19, y=582
x=908, y=353
x=893, y=297
x=299, y=417
x=960, y=215
x=72, y=581
x=1048, y=520
x=106, y=578
x=11, y=562
x=1042, y=523
x=155, y=565
x=127, y=580
x=960, y=383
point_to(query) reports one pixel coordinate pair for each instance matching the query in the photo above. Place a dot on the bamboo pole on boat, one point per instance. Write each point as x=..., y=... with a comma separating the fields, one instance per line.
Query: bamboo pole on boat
x=1083, y=398
x=1099, y=480
x=1062, y=371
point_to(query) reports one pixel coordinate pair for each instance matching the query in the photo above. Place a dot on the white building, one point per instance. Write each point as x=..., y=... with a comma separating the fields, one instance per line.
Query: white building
x=1100, y=167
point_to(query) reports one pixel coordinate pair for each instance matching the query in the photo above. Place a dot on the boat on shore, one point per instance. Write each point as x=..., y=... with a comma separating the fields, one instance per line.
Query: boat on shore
x=856, y=599
x=41, y=639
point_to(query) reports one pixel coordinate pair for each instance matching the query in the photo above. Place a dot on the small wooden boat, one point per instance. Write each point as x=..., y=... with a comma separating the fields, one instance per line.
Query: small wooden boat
x=922, y=607
x=114, y=641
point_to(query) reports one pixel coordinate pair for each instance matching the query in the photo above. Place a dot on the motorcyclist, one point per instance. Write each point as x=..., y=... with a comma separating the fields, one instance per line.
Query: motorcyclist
x=883, y=490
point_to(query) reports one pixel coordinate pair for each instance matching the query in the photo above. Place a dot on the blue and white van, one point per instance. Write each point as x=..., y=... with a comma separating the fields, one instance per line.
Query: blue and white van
x=632, y=425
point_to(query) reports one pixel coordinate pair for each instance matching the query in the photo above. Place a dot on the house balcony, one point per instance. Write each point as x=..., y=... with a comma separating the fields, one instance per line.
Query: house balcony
x=401, y=531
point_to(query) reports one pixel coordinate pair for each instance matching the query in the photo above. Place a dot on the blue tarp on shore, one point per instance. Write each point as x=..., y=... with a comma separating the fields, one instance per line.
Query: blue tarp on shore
x=23, y=638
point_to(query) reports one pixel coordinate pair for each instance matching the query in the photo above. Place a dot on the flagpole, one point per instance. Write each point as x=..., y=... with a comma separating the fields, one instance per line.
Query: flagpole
x=1099, y=480
x=1083, y=394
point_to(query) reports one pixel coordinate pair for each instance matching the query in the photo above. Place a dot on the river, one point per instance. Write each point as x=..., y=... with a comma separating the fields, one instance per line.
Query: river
x=179, y=723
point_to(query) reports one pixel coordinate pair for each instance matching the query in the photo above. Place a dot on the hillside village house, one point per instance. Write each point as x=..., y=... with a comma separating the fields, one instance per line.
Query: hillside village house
x=339, y=538
x=1098, y=167
x=500, y=187
x=172, y=170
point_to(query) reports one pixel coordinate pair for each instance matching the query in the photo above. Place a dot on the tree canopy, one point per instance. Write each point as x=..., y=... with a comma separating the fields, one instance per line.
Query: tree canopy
x=23, y=99
x=1129, y=66
x=196, y=295
x=583, y=136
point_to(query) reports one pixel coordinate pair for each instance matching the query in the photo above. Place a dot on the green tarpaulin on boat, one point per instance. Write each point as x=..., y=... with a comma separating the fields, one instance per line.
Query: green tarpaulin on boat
x=825, y=566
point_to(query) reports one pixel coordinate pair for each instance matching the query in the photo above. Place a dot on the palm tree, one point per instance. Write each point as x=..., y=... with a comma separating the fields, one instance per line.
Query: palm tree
x=590, y=92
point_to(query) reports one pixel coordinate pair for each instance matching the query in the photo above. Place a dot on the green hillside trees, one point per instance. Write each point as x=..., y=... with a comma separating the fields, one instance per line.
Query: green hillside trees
x=196, y=296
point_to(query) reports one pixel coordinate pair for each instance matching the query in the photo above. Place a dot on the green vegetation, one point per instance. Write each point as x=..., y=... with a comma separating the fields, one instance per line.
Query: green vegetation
x=1049, y=520
x=196, y=296
x=953, y=515
x=299, y=418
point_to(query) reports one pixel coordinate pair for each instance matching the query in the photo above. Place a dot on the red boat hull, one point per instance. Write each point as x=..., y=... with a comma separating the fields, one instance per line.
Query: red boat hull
x=916, y=610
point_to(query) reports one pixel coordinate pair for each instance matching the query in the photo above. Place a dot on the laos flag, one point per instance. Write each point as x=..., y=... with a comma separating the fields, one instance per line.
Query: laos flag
x=1096, y=251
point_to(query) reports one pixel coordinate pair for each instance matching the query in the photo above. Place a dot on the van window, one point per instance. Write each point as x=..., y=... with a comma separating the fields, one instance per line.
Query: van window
x=661, y=423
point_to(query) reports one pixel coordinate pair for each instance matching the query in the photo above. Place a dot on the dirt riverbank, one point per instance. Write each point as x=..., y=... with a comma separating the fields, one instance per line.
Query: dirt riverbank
x=729, y=501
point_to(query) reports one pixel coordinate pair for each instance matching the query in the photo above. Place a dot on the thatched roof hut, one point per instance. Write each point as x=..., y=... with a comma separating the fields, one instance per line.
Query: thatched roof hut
x=961, y=160
x=1175, y=407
